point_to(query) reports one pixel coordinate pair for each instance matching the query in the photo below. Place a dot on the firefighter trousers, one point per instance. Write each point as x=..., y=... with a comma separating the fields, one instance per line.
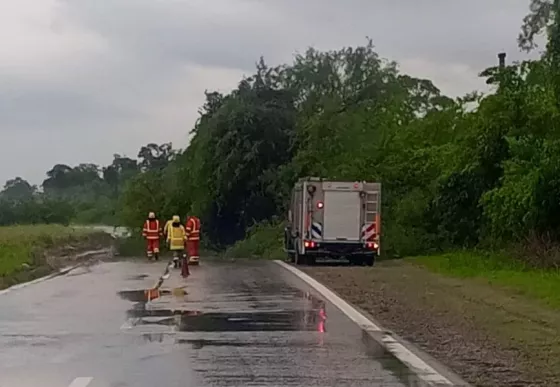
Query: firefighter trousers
x=192, y=250
x=152, y=246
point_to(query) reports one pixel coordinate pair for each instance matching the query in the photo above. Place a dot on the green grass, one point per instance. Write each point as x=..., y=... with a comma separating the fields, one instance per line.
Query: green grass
x=18, y=244
x=500, y=270
x=133, y=246
x=264, y=241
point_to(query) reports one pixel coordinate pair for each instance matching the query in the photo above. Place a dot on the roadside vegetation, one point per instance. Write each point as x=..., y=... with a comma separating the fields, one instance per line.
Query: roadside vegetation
x=28, y=252
x=502, y=271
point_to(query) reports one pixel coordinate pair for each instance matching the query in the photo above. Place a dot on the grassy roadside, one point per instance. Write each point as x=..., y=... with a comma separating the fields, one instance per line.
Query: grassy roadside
x=28, y=252
x=497, y=270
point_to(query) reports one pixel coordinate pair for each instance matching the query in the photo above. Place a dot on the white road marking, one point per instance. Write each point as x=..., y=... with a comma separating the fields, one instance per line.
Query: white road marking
x=412, y=361
x=81, y=382
x=36, y=281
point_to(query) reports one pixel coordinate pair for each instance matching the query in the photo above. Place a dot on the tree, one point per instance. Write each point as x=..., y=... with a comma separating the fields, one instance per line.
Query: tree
x=18, y=189
x=155, y=157
x=538, y=21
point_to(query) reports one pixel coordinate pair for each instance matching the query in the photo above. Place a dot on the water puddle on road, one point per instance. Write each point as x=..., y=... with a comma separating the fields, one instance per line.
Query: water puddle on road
x=287, y=310
x=309, y=316
x=137, y=277
x=138, y=295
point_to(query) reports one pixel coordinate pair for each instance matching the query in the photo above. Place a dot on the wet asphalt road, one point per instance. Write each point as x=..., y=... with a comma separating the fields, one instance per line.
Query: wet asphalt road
x=242, y=324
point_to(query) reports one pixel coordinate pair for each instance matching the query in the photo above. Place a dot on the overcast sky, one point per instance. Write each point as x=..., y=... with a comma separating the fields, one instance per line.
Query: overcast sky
x=83, y=79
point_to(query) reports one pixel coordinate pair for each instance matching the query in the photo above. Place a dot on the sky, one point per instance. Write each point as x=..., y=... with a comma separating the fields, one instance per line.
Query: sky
x=81, y=80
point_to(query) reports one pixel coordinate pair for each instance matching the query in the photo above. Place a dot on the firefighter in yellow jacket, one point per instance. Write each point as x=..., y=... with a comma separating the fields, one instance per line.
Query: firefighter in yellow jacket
x=176, y=237
x=166, y=228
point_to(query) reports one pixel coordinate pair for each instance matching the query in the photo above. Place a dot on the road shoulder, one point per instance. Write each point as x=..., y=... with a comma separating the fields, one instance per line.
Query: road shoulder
x=427, y=369
x=486, y=334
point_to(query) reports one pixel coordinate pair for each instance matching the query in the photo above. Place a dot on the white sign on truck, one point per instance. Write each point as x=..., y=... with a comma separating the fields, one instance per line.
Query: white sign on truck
x=333, y=219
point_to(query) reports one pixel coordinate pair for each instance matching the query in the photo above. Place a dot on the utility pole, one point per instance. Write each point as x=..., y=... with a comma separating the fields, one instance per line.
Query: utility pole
x=502, y=60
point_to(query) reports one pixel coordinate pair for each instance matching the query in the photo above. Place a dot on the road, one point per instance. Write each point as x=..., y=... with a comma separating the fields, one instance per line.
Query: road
x=240, y=324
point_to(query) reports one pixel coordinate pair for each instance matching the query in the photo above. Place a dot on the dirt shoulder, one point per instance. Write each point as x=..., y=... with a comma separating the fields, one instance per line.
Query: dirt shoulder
x=49, y=255
x=485, y=333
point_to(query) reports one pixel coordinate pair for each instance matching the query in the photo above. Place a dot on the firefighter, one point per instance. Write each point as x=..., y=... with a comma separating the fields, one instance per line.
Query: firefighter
x=152, y=233
x=176, y=237
x=166, y=228
x=192, y=227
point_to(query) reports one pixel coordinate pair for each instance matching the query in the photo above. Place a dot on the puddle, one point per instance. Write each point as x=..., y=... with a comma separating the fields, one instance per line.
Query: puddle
x=138, y=295
x=201, y=343
x=196, y=321
x=307, y=315
x=137, y=277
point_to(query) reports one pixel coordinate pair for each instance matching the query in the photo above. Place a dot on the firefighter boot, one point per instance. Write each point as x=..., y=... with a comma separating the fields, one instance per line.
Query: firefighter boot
x=175, y=262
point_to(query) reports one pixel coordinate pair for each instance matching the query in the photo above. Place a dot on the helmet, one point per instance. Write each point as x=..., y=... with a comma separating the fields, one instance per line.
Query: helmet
x=151, y=215
x=176, y=219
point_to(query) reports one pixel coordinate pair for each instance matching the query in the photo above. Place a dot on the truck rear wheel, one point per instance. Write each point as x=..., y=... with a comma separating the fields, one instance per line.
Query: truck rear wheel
x=369, y=260
x=300, y=259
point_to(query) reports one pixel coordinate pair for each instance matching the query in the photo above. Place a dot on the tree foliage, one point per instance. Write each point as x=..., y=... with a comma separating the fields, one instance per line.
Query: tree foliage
x=86, y=193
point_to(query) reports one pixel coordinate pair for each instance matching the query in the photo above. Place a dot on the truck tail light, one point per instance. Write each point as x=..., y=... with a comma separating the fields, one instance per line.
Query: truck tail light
x=309, y=244
x=372, y=245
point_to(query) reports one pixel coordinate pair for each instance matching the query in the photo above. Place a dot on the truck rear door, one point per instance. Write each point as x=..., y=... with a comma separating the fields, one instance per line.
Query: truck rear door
x=342, y=213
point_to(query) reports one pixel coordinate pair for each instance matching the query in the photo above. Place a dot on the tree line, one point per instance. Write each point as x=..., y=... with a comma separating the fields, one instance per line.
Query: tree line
x=86, y=193
x=474, y=171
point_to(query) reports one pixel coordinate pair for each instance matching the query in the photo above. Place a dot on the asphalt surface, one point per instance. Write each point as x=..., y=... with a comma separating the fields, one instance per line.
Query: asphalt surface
x=240, y=324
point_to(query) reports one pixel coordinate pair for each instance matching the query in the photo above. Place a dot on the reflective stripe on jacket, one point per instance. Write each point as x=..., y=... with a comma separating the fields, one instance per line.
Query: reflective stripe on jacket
x=151, y=229
x=192, y=228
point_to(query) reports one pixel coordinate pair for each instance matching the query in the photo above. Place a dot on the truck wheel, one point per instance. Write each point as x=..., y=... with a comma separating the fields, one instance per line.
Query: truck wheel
x=369, y=261
x=311, y=260
x=292, y=257
x=300, y=259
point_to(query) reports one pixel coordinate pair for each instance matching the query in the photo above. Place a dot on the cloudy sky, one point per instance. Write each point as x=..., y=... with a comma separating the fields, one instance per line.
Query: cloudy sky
x=83, y=79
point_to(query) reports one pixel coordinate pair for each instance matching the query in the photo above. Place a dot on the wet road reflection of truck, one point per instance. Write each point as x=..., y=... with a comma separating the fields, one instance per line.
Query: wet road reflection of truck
x=333, y=219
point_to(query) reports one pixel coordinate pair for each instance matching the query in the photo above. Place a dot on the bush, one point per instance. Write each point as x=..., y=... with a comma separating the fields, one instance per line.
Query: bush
x=264, y=240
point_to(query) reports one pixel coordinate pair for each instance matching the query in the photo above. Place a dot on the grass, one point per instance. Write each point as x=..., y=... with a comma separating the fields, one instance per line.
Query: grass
x=500, y=270
x=264, y=241
x=18, y=244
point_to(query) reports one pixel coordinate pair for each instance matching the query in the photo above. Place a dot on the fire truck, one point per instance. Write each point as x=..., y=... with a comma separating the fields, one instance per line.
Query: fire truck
x=334, y=220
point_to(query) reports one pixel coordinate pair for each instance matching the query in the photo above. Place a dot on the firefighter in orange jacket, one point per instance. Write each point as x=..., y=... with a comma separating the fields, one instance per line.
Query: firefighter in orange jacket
x=152, y=233
x=192, y=227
